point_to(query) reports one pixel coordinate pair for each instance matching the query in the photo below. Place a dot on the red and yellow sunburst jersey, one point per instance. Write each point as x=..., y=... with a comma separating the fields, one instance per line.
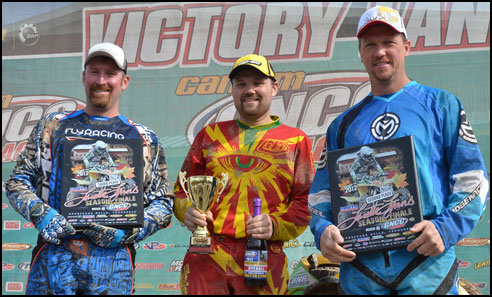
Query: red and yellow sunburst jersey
x=273, y=162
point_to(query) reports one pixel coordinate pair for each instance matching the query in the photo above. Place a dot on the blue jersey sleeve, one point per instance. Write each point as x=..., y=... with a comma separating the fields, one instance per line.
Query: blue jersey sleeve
x=158, y=196
x=467, y=175
x=319, y=199
x=24, y=189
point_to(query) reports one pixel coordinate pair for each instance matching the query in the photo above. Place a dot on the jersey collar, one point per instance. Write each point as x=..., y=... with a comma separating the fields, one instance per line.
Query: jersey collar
x=389, y=97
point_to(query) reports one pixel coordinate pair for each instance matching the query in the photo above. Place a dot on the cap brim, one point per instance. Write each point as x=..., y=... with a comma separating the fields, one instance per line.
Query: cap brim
x=102, y=53
x=375, y=22
x=242, y=67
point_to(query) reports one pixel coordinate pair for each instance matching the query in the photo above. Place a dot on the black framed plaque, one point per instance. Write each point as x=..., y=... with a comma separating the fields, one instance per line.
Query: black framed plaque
x=102, y=183
x=375, y=194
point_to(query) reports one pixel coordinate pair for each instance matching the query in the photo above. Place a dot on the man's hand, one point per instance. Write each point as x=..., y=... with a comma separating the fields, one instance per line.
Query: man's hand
x=330, y=246
x=107, y=237
x=429, y=242
x=260, y=227
x=194, y=218
x=51, y=225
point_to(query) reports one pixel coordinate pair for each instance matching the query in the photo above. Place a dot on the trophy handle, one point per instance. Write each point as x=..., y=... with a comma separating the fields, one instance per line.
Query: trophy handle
x=182, y=181
x=223, y=182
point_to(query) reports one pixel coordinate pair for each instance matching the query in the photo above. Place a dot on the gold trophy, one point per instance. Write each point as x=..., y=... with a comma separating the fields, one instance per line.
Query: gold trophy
x=201, y=191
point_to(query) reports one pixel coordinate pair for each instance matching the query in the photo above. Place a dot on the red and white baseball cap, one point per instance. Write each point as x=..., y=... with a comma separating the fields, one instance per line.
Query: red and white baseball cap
x=107, y=50
x=381, y=15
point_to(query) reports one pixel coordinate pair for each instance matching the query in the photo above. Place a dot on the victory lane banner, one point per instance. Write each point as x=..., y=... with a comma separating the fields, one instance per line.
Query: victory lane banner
x=375, y=194
x=102, y=182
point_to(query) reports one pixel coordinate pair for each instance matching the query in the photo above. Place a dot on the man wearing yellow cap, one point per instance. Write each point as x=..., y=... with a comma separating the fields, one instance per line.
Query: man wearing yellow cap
x=451, y=171
x=264, y=159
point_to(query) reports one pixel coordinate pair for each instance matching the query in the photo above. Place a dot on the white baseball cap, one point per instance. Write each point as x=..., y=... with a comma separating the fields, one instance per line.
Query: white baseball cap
x=108, y=50
x=381, y=15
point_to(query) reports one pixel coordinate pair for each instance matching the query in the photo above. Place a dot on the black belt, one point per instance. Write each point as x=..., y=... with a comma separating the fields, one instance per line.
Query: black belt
x=443, y=288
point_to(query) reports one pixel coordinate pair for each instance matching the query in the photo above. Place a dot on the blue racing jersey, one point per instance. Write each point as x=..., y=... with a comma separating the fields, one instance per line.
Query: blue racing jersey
x=451, y=171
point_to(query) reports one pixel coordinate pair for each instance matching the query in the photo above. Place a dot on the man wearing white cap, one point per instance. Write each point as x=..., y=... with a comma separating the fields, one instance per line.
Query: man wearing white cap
x=451, y=170
x=100, y=259
x=264, y=159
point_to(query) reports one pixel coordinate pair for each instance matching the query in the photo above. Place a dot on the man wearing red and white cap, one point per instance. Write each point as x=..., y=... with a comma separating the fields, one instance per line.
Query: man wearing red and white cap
x=451, y=171
x=100, y=259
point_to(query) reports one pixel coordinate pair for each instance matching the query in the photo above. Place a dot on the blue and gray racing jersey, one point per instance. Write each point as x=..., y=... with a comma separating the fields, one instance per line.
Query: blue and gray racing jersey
x=452, y=174
x=37, y=174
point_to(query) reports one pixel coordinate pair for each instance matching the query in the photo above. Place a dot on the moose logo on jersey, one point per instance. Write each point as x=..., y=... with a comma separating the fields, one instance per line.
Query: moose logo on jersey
x=385, y=126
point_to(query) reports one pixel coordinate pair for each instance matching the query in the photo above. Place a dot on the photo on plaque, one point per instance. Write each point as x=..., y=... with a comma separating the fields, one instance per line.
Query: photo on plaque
x=375, y=194
x=102, y=183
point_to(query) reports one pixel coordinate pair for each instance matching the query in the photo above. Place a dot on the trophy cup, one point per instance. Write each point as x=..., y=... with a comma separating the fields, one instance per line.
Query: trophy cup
x=201, y=191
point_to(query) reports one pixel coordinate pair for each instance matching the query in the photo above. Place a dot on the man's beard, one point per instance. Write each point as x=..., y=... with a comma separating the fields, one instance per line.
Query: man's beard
x=99, y=100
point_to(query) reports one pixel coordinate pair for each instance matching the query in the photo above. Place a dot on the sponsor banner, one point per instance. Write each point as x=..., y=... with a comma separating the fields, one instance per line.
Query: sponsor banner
x=14, y=287
x=193, y=33
x=149, y=266
x=9, y=246
x=467, y=241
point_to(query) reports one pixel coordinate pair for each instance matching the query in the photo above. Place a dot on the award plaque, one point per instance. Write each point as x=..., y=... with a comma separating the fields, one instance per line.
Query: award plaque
x=102, y=182
x=375, y=194
x=201, y=191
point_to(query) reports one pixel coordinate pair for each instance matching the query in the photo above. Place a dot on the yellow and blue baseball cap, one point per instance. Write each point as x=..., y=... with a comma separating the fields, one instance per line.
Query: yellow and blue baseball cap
x=381, y=15
x=256, y=61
